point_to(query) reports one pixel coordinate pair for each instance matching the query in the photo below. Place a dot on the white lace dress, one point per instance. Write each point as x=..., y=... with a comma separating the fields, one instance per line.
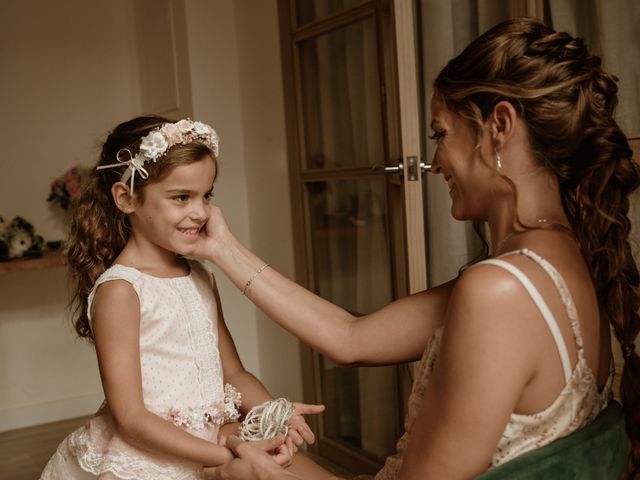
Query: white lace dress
x=181, y=382
x=577, y=405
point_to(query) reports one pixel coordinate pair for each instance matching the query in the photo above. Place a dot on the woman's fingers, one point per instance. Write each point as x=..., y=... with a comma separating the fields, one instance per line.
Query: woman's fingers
x=307, y=409
x=295, y=436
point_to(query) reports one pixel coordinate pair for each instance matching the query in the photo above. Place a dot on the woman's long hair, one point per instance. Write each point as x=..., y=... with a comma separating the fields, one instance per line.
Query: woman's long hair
x=567, y=102
x=98, y=229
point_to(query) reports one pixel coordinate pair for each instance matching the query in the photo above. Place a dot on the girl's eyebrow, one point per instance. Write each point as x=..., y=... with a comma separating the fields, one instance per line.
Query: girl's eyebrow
x=179, y=190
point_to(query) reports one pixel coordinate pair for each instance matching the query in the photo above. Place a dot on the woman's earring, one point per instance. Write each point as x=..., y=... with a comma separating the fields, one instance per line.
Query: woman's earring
x=498, y=162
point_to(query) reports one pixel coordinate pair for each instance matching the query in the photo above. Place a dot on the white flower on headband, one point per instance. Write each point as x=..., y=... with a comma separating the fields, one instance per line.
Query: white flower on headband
x=153, y=145
x=156, y=143
x=201, y=128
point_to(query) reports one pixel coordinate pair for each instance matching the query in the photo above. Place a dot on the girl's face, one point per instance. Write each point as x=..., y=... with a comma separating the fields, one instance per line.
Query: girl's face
x=175, y=208
x=462, y=162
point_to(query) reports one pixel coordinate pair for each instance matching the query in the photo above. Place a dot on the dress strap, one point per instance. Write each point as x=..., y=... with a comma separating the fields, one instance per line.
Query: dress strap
x=544, y=310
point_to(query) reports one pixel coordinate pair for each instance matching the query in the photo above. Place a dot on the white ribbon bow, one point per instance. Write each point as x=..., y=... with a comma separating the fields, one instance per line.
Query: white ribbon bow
x=135, y=164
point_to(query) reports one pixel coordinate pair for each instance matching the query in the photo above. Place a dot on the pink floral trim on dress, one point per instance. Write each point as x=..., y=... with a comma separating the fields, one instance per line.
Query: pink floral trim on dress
x=218, y=413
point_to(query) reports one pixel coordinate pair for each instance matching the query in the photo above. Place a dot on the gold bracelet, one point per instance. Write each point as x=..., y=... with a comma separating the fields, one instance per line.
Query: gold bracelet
x=253, y=277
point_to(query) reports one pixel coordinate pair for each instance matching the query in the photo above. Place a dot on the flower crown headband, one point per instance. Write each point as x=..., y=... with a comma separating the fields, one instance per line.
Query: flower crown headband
x=157, y=142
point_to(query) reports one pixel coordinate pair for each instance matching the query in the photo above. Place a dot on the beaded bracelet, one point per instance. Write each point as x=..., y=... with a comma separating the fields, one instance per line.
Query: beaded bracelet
x=267, y=420
x=253, y=277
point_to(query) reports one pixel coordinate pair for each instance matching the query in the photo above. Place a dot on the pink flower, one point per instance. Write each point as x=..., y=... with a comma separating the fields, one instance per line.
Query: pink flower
x=184, y=125
x=172, y=132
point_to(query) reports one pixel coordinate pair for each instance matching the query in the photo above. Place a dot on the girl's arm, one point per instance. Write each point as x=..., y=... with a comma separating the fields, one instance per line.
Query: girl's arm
x=116, y=325
x=395, y=333
x=487, y=357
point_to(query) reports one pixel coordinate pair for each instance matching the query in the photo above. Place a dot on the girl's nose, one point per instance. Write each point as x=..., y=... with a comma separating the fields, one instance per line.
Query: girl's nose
x=200, y=210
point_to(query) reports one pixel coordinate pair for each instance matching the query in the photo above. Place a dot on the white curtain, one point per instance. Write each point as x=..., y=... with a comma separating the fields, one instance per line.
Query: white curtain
x=612, y=29
x=355, y=272
x=446, y=28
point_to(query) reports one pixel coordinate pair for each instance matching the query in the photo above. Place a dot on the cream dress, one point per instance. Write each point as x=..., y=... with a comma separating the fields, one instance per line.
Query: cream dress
x=181, y=382
x=578, y=403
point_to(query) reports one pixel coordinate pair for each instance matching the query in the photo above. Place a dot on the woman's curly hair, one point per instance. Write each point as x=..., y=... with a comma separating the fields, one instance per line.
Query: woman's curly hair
x=567, y=102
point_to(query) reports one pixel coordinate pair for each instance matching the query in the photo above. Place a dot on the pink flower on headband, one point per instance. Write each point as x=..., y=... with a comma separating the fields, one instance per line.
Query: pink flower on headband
x=184, y=126
x=172, y=132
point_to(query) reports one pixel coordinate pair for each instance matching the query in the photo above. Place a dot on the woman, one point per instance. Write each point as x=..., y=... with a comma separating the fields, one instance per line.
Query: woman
x=518, y=348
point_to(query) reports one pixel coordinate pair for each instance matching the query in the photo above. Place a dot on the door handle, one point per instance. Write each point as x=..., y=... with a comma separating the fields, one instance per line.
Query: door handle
x=412, y=169
x=395, y=169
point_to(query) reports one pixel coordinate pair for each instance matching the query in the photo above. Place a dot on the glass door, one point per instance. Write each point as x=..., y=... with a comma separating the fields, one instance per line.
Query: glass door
x=343, y=118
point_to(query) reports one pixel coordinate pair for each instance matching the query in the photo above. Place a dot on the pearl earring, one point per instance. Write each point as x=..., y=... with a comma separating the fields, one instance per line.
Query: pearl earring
x=498, y=162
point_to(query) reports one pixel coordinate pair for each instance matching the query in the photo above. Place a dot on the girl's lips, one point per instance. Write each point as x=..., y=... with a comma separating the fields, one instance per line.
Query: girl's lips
x=192, y=232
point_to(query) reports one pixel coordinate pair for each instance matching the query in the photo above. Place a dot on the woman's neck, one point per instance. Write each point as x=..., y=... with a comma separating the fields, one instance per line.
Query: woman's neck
x=537, y=204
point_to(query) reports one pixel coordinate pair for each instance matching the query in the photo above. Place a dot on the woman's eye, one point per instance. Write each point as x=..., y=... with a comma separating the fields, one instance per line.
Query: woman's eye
x=437, y=136
x=181, y=198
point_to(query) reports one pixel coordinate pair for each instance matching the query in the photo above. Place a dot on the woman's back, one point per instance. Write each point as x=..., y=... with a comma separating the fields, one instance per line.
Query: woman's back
x=558, y=397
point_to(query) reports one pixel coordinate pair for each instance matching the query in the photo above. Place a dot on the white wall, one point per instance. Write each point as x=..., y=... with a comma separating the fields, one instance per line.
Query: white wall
x=267, y=177
x=69, y=75
x=237, y=84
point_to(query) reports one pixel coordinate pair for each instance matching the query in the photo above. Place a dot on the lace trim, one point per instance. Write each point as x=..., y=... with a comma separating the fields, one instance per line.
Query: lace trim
x=218, y=413
x=123, y=466
x=202, y=335
x=565, y=295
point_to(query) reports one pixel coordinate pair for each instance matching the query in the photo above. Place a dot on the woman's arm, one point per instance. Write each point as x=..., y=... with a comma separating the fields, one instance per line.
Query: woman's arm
x=252, y=390
x=395, y=333
x=116, y=325
x=484, y=363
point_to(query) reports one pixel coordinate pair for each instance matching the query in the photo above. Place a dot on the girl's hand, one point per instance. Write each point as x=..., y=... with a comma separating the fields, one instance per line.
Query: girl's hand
x=226, y=430
x=299, y=431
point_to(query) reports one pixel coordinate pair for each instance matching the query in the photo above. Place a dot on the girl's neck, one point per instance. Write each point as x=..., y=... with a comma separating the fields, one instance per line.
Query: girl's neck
x=152, y=260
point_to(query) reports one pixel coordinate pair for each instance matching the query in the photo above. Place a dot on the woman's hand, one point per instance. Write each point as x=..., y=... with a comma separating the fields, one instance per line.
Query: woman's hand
x=213, y=235
x=259, y=460
x=299, y=431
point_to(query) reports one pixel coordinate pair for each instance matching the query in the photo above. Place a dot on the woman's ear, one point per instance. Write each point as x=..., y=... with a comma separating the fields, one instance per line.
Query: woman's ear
x=501, y=123
x=122, y=197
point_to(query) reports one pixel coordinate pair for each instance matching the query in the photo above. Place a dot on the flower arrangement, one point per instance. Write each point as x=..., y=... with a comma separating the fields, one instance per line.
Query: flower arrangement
x=67, y=186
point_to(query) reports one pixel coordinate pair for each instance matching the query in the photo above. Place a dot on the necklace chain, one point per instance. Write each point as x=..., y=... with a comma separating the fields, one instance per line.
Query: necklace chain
x=508, y=236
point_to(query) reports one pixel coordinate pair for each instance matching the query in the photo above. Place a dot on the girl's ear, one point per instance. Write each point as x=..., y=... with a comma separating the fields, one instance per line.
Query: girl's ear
x=122, y=197
x=501, y=123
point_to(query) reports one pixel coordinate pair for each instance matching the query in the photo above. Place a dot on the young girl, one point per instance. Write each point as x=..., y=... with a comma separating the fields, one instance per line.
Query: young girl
x=163, y=349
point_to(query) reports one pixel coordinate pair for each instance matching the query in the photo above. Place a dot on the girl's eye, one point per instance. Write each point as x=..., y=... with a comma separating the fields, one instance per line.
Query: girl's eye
x=437, y=136
x=209, y=196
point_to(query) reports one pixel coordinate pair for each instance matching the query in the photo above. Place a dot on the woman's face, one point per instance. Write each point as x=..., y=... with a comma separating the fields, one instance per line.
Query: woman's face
x=464, y=160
